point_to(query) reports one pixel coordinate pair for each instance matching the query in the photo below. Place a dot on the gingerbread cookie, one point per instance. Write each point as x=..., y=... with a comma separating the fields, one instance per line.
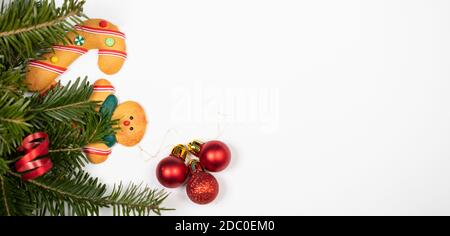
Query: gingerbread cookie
x=92, y=34
x=131, y=126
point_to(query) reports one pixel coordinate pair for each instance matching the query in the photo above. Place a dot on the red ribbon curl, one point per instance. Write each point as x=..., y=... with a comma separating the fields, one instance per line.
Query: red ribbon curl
x=35, y=145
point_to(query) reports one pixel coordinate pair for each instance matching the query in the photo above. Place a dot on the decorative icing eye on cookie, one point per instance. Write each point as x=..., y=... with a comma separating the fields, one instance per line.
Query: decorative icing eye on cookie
x=91, y=34
x=132, y=123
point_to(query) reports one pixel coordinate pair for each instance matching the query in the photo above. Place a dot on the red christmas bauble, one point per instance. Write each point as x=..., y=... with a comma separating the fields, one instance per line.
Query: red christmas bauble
x=202, y=188
x=171, y=172
x=215, y=156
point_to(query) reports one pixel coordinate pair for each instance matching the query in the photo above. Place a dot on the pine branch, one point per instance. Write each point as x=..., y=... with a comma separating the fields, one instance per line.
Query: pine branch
x=67, y=141
x=14, y=123
x=65, y=113
x=28, y=28
x=12, y=82
x=6, y=211
x=14, y=199
x=38, y=26
x=135, y=200
x=84, y=195
x=63, y=104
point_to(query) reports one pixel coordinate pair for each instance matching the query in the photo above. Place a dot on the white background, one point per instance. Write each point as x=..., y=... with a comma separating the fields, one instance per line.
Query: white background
x=330, y=107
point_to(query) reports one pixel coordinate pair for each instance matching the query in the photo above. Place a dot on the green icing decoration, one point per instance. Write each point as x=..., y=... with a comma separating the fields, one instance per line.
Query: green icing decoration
x=109, y=105
x=110, y=140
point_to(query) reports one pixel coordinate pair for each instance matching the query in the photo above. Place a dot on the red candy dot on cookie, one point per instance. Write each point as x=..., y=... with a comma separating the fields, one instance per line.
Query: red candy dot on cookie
x=103, y=24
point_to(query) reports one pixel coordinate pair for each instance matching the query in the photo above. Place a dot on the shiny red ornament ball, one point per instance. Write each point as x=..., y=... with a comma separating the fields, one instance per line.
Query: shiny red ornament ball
x=202, y=188
x=215, y=156
x=171, y=172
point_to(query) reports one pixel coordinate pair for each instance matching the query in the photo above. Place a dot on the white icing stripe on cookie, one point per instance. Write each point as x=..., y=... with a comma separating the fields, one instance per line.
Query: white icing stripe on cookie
x=112, y=53
x=47, y=67
x=97, y=151
x=80, y=51
x=100, y=31
x=98, y=89
x=104, y=89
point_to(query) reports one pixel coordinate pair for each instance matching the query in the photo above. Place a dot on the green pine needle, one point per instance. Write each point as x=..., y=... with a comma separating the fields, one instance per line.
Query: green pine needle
x=14, y=200
x=12, y=82
x=83, y=195
x=28, y=28
x=14, y=122
x=63, y=104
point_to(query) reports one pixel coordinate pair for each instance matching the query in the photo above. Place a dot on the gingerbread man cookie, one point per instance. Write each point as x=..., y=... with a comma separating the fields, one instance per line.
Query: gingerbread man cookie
x=92, y=34
x=132, y=122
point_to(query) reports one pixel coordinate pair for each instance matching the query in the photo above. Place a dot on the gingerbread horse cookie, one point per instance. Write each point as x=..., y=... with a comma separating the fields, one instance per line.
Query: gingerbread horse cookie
x=132, y=122
x=92, y=34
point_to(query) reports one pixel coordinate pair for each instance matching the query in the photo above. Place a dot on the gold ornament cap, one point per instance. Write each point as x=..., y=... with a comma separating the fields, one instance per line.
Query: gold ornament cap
x=195, y=166
x=179, y=151
x=195, y=146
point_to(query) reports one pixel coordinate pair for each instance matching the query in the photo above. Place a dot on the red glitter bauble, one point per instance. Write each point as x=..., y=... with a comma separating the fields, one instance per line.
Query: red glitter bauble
x=171, y=172
x=215, y=156
x=202, y=188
